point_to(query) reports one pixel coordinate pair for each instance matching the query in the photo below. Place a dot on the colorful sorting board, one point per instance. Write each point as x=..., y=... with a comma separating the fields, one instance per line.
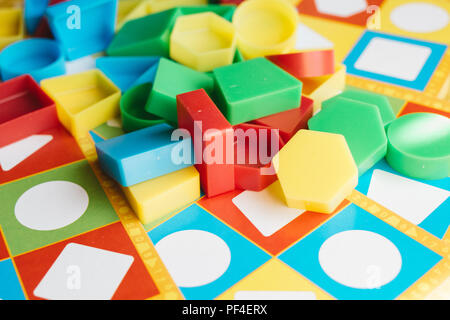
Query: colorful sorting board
x=244, y=245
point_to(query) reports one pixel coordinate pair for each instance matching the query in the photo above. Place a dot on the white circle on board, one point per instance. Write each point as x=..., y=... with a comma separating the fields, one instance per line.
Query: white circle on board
x=419, y=17
x=194, y=257
x=360, y=259
x=51, y=205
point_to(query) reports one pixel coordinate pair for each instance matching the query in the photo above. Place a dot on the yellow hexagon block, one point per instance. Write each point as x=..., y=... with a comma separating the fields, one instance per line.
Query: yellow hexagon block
x=316, y=171
x=203, y=41
x=153, y=199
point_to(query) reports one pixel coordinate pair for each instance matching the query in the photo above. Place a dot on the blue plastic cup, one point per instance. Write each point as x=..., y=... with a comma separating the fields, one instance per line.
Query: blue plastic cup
x=40, y=58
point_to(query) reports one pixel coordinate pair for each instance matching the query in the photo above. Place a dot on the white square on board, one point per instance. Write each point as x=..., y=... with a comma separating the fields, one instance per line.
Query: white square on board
x=412, y=200
x=84, y=273
x=393, y=58
x=265, y=209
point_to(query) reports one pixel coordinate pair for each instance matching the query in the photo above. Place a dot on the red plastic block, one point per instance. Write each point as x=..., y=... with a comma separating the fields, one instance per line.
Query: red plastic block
x=24, y=110
x=290, y=121
x=254, y=149
x=210, y=131
x=306, y=64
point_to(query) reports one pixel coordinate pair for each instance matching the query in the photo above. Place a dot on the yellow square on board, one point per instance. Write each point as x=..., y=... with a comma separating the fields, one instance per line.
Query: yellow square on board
x=83, y=100
x=153, y=199
x=274, y=280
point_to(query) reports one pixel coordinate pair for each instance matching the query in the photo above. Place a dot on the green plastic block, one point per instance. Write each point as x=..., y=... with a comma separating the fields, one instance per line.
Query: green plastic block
x=254, y=89
x=382, y=102
x=147, y=36
x=225, y=11
x=361, y=125
x=132, y=104
x=419, y=145
x=171, y=80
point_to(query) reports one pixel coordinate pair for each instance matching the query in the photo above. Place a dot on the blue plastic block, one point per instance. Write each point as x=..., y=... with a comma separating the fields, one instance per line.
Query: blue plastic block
x=40, y=58
x=148, y=76
x=34, y=10
x=143, y=155
x=125, y=71
x=83, y=27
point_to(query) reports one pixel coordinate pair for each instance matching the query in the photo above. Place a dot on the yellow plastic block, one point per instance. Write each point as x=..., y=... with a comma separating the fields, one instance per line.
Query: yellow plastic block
x=160, y=5
x=325, y=87
x=316, y=171
x=11, y=26
x=84, y=100
x=131, y=9
x=265, y=27
x=203, y=41
x=274, y=280
x=155, y=198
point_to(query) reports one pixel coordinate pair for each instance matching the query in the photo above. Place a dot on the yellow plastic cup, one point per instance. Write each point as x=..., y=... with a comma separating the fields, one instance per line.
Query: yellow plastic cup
x=11, y=26
x=203, y=41
x=265, y=27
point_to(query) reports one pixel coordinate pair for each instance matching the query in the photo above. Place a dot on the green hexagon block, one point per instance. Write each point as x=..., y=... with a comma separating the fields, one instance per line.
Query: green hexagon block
x=382, y=102
x=254, y=89
x=171, y=80
x=361, y=125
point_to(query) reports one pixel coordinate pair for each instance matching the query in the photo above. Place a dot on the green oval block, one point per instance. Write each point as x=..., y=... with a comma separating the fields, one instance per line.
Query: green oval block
x=132, y=104
x=419, y=145
x=361, y=125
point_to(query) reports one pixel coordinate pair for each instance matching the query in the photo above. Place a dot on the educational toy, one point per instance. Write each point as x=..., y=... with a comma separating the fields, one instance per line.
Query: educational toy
x=316, y=171
x=84, y=100
x=83, y=27
x=40, y=58
x=125, y=72
x=132, y=105
x=253, y=89
x=290, y=121
x=361, y=125
x=162, y=100
x=203, y=41
x=142, y=155
x=306, y=64
x=213, y=139
x=254, y=148
x=11, y=25
x=419, y=146
x=154, y=199
x=24, y=110
x=265, y=27
x=388, y=237
x=146, y=36
x=382, y=102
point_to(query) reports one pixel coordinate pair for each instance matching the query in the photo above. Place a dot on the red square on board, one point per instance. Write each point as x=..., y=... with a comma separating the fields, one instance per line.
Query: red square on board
x=3, y=250
x=61, y=150
x=223, y=207
x=136, y=285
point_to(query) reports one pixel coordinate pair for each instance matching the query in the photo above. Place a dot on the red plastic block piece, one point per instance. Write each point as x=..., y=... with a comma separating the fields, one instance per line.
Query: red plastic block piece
x=212, y=136
x=255, y=146
x=24, y=110
x=290, y=121
x=306, y=64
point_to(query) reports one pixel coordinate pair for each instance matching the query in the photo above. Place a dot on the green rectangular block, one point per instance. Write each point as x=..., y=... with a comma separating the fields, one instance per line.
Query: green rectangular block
x=171, y=80
x=147, y=36
x=225, y=11
x=254, y=89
